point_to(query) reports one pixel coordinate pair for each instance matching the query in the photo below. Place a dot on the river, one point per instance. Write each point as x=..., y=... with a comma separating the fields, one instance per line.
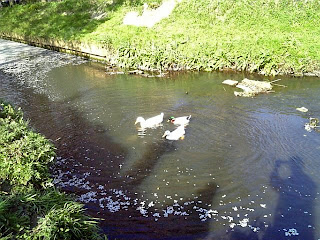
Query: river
x=246, y=169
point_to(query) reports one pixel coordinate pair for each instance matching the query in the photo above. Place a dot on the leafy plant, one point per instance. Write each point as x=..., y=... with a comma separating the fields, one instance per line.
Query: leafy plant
x=7, y=111
x=30, y=206
x=67, y=222
x=24, y=154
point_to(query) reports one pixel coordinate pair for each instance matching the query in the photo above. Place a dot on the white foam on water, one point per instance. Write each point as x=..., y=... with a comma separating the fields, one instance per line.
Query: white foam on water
x=30, y=65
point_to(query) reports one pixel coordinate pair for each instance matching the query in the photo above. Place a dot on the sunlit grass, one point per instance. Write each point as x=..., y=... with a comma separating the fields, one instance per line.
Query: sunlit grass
x=268, y=37
x=24, y=154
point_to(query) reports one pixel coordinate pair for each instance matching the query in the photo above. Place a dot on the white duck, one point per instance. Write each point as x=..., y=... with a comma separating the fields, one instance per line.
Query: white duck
x=180, y=120
x=150, y=122
x=176, y=134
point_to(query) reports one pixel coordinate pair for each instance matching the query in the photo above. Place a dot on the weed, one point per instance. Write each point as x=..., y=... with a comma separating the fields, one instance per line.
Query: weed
x=30, y=206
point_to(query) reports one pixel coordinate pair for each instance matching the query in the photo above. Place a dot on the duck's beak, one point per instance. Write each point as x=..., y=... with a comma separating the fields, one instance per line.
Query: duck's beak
x=164, y=135
x=168, y=120
x=135, y=123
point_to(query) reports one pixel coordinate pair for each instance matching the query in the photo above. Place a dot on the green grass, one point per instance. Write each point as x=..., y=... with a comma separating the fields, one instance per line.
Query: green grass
x=44, y=215
x=265, y=36
x=24, y=154
x=30, y=206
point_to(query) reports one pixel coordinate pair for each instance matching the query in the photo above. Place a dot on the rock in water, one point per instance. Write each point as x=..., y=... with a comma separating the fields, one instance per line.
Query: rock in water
x=251, y=87
x=314, y=122
x=230, y=82
x=302, y=109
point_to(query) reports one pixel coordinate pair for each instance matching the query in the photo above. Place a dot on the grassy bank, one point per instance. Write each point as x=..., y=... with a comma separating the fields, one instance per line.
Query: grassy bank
x=30, y=206
x=266, y=36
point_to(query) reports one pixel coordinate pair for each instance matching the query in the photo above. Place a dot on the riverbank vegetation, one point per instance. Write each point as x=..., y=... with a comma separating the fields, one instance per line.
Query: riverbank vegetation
x=30, y=206
x=265, y=36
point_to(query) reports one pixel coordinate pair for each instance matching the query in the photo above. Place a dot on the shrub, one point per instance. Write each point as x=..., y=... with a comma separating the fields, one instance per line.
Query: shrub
x=24, y=154
x=30, y=206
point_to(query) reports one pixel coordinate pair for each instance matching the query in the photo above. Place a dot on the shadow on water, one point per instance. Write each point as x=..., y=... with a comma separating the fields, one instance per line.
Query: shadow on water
x=293, y=216
x=142, y=168
x=294, y=212
x=240, y=235
x=188, y=228
x=91, y=156
x=172, y=226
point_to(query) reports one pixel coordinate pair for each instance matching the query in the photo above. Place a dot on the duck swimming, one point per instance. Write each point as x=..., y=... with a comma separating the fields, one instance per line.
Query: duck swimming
x=176, y=134
x=180, y=120
x=150, y=122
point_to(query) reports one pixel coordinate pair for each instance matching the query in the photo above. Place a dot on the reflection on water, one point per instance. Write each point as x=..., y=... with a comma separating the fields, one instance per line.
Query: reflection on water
x=245, y=169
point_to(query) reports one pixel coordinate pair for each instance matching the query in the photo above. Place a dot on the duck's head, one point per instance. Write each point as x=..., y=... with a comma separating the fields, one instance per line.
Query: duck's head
x=166, y=133
x=139, y=120
x=171, y=119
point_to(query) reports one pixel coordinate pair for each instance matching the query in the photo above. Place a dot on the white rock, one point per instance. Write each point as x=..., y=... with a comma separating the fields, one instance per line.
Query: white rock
x=230, y=82
x=302, y=109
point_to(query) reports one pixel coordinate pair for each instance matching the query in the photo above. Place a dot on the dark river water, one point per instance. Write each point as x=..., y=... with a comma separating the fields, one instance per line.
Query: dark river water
x=246, y=169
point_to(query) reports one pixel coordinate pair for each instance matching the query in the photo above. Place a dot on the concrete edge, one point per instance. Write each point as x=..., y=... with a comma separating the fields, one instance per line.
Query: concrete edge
x=86, y=50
